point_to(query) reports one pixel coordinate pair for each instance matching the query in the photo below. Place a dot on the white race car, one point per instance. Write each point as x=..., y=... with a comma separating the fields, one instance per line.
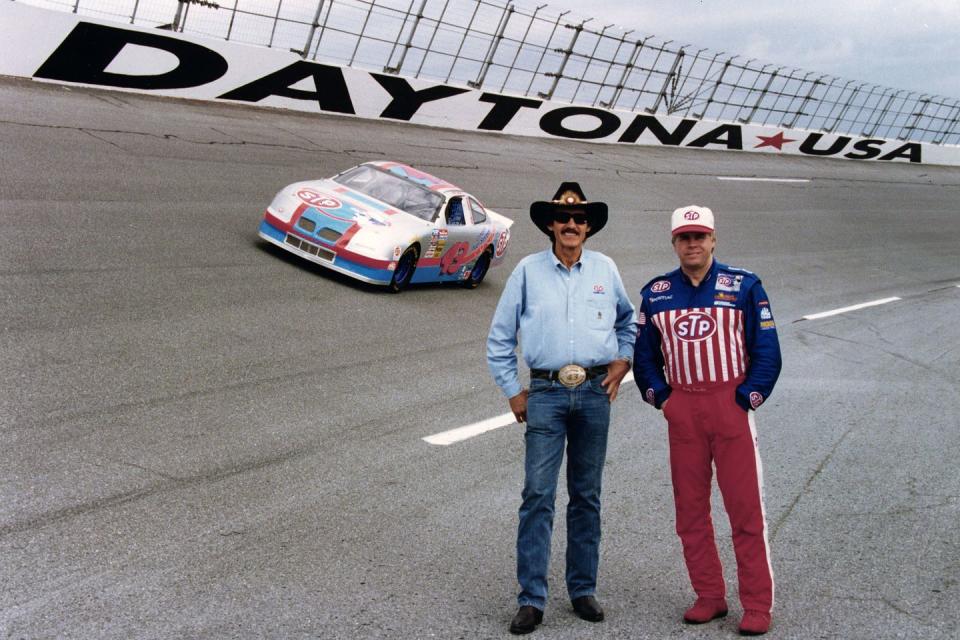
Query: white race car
x=388, y=223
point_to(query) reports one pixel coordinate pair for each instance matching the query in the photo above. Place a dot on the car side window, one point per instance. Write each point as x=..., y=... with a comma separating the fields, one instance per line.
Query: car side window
x=479, y=215
x=455, y=212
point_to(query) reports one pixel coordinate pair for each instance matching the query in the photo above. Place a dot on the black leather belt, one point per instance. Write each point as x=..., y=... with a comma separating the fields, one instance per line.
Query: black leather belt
x=553, y=376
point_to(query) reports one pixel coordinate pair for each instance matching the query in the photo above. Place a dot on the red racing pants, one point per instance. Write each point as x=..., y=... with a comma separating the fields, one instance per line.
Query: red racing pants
x=707, y=427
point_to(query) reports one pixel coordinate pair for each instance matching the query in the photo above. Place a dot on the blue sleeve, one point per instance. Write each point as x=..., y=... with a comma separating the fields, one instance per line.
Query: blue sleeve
x=648, y=359
x=502, y=339
x=626, y=323
x=763, y=349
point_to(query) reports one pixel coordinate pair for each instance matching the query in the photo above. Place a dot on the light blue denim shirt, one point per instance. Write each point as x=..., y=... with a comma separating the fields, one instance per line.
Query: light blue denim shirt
x=577, y=316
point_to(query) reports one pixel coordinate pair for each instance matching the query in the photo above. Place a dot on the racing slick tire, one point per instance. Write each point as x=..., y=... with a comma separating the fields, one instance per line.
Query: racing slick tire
x=406, y=265
x=479, y=271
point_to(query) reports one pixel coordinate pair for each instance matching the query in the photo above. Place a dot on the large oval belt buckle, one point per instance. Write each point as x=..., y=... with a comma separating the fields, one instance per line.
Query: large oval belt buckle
x=572, y=375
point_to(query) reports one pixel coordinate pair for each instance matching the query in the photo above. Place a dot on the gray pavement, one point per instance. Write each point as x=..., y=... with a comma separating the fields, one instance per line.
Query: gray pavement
x=203, y=438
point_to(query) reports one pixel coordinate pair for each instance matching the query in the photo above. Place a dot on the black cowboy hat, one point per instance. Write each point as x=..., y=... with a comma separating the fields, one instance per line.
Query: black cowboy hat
x=569, y=198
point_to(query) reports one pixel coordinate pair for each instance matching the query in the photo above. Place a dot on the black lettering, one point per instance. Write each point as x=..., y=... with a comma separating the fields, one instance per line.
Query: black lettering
x=89, y=49
x=809, y=146
x=406, y=101
x=332, y=93
x=649, y=123
x=729, y=135
x=552, y=123
x=504, y=109
x=911, y=151
x=870, y=149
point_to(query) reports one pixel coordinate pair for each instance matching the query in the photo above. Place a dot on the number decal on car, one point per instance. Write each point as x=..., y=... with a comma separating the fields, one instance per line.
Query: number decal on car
x=454, y=258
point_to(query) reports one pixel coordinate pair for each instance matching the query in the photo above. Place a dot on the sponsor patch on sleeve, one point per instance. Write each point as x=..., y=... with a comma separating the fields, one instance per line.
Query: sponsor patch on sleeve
x=766, y=316
x=650, y=396
x=756, y=399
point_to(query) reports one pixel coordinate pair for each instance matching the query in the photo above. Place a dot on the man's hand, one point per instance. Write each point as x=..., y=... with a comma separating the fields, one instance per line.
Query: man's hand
x=518, y=404
x=615, y=372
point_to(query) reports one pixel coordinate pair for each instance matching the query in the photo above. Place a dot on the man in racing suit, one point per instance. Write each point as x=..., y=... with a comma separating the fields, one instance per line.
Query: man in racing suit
x=707, y=354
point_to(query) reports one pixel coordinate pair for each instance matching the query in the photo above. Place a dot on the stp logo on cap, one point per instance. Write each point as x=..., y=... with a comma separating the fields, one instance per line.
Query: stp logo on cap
x=694, y=326
x=691, y=215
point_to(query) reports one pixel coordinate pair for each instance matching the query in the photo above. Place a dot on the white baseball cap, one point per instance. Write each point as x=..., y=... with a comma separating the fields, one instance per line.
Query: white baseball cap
x=691, y=219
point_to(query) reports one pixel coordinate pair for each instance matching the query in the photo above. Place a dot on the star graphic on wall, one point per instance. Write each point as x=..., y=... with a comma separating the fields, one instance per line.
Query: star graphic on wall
x=774, y=141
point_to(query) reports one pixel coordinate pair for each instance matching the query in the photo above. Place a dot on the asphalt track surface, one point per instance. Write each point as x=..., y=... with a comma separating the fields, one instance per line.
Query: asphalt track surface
x=203, y=438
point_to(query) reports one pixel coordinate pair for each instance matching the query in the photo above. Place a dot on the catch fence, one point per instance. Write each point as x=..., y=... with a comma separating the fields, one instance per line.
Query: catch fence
x=540, y=52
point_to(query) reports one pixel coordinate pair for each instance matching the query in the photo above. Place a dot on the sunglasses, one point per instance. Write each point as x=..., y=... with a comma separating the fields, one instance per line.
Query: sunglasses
x=563, y=217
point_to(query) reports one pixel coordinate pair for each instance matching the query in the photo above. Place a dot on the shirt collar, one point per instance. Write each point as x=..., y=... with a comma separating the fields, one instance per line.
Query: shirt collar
x=578, y=263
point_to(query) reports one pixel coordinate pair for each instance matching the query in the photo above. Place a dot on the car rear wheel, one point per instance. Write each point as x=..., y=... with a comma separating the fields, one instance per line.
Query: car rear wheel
x=479, y=271
x=406, y=265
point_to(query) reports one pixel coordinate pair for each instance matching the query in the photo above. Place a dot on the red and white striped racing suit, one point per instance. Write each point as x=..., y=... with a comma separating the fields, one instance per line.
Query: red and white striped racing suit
x=712, y=349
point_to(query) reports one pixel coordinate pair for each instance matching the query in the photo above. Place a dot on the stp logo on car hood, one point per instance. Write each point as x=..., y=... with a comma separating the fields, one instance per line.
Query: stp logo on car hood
x=317, y=199
x=694, y=326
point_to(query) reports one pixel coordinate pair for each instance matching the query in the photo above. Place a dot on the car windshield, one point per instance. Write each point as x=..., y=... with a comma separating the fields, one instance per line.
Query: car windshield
x=398, y=192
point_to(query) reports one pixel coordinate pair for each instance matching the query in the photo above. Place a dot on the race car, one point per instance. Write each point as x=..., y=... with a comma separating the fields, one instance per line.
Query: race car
x=387, y=223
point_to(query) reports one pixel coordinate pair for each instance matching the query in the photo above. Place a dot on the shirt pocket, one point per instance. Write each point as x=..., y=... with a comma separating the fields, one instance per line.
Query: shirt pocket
x=601, y=313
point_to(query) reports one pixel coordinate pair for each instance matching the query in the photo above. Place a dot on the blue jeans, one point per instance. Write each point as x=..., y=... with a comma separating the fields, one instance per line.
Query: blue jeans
x=556, y=416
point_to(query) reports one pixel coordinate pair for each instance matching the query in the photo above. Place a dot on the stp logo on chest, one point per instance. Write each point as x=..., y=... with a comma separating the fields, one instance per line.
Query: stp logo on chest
x=694, y=326
x=660, y=286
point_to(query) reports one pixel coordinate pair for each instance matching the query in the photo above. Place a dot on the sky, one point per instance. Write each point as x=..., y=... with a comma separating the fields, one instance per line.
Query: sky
x=913, y=45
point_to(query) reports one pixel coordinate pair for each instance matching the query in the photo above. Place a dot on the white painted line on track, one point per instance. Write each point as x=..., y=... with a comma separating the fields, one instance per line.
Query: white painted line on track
x=864, y=305
x=503, y=420
x=749, y=179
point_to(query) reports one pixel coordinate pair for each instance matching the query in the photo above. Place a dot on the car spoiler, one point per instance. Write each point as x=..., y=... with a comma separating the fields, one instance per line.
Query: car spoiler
x=502, y=219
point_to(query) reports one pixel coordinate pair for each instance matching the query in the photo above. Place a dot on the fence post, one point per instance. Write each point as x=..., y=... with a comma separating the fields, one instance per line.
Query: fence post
x=590, y=60
x=456, y=56
x=703, y=81
x=543, y=53
x=842, y=109
x=233, y=15
x=433, y=35
x=948, y=125
x=523, y=41
x=613, y=61
x=492, y=49
x=653, y=66
x=313, y=30
x=799, y=112
x=879, y=116
x=276, y=19
x=924, y=102
x=558, y=74
x=406, y=47
x=763, y=94
x=627, y=68
x=716, y=85
x=678, y=99
x=666, y=81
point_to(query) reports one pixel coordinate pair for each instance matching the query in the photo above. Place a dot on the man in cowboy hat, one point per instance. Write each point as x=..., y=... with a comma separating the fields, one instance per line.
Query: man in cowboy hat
x=578, y=328
x=707, y=354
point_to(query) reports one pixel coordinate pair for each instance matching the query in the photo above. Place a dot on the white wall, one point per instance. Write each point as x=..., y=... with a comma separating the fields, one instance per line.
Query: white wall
x=62, y=47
